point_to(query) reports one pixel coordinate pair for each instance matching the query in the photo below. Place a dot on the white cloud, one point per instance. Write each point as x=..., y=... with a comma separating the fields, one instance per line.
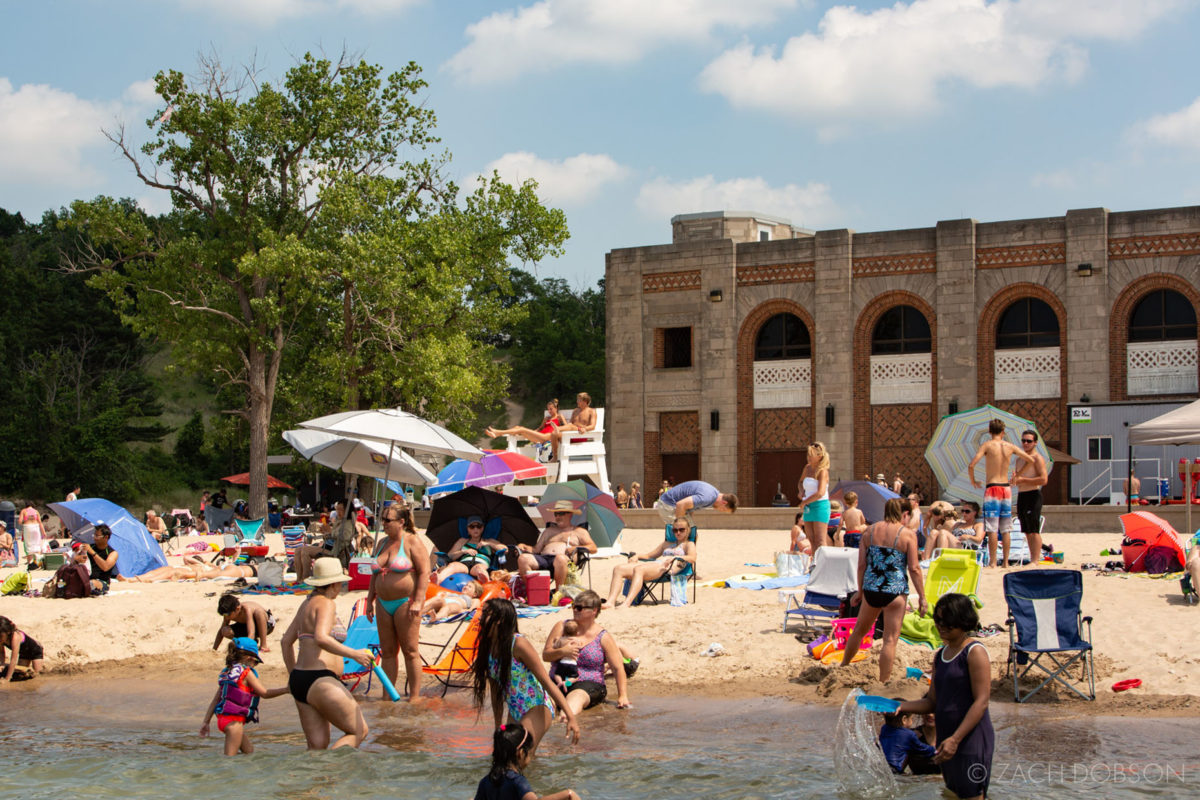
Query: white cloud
x=1061, y=179
x=267, y=12
x=572, y=180
x=50, y=136
x=809, y=205
x=1177, y=129
x=550, y=33
x=893, y=61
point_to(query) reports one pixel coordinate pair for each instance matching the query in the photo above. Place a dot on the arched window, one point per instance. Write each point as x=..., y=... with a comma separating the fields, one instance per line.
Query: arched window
x=902, y=329
x=1162, y=315
x=1028, y=322
x=783, y=336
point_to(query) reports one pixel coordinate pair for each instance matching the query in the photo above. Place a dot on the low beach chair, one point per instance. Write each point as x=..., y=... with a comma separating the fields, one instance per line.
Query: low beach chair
x=250, y=532
x=953, y=571
x=361, y=634
x=659, y=590
x=293, y=539
x=834, y=577
x=1045, y=629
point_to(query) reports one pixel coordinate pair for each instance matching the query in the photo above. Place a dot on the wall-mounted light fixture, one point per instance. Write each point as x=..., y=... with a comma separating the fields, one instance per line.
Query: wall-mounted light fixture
x=953, y=407
x=1084, y=270
x=830, y=415
x=1085, y=399
x=714, y=420
x=715, y=296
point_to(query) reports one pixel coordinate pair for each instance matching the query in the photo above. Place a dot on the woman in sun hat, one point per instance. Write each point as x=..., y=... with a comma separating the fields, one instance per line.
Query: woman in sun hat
x=321, y=699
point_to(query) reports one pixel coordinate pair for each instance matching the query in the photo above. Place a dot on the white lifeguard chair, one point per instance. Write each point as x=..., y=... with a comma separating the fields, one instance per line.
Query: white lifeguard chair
x=579, y=454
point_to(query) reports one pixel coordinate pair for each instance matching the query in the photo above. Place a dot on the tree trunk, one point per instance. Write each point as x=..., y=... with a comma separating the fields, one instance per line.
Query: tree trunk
x=260, y=426
x=352, y=376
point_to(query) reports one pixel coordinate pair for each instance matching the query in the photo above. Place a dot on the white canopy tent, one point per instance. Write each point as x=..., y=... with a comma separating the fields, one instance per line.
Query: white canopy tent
x=1177, y=427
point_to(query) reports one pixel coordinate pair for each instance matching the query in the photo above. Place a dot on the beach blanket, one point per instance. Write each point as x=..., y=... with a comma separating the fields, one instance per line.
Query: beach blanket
x=523, y=612
x=756, y=580
x=289, y=588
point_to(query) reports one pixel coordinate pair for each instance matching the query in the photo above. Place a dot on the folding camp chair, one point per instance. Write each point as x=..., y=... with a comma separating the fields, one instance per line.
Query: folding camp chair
x=361, y=634
x=658, y=590
x=250, y=532
x=451, y=661
x=953, y=571
x=293, y=539
x=834, y=577
x=1044, y=623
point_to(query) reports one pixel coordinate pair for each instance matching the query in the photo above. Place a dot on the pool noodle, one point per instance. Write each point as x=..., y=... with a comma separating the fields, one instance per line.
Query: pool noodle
x=388, y=688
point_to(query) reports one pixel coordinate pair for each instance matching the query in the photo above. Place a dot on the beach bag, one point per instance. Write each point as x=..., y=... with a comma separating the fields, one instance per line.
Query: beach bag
x=1159, y=560
x=791, y=565
x=15, y=583
x=71, y=581
x=270, y=573
x=679, y=582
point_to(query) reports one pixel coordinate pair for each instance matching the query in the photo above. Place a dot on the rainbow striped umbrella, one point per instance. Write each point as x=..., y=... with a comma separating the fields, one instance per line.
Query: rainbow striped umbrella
x=956, y=440
x=598, y=509
x=496, y=468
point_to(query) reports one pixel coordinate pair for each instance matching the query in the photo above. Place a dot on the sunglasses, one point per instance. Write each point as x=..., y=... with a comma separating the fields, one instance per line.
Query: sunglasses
x=1029, y=441
x=577, y=607
x=681, y=530
x=474, y=525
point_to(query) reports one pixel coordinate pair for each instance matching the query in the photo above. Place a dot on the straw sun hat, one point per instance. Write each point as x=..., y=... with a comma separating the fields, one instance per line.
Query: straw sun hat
x=327, y=571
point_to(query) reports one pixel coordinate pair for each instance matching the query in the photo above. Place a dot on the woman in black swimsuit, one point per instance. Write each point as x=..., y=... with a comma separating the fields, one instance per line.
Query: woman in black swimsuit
x=26, y=653
x=321, y=699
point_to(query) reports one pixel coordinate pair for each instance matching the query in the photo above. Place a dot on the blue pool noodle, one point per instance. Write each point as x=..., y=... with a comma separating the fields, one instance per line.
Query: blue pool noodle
x=388, y=688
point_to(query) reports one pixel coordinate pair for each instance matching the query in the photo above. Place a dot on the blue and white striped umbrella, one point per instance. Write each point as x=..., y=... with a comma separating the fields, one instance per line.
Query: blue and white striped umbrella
x=956, y=440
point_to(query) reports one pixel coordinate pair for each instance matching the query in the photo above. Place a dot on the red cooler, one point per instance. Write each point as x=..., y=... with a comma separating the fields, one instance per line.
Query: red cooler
x=360, y=573
x=537, y=588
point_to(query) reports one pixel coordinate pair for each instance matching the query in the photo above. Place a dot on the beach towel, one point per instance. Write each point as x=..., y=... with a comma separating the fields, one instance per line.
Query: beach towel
x=287, y=588
x=916, y=629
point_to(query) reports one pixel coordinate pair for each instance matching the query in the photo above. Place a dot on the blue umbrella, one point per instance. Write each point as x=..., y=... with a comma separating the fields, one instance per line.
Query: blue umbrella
x=137, y=552
x=496, y=468
x=871, y=497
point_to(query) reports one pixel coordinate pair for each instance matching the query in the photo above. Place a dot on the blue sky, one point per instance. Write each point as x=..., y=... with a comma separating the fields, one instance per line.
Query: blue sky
x=871, y=117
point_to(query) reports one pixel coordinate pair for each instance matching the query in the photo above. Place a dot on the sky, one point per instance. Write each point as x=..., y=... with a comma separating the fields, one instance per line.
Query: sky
x=873, y=116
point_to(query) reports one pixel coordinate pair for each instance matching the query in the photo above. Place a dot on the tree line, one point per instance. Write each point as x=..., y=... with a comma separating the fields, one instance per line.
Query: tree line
x=315, y=259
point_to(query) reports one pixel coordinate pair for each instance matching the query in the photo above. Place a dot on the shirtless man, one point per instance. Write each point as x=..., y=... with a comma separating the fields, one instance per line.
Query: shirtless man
x=1029, y=480
x=1133, y=488
x=156, y=525
x=583, y=420
x=556, y=545
x=997, y=496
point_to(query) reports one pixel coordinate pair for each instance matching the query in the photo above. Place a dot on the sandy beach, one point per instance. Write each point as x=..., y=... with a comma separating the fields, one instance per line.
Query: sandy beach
x=1142, y=629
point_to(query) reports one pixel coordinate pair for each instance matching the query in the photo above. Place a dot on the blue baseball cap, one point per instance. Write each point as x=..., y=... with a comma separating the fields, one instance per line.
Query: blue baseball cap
x=247, y=645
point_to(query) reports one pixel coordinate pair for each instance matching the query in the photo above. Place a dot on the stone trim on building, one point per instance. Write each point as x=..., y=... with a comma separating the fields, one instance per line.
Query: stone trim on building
x=1026, y=255
x=671, y=281
x=1179, y=244
x=910, y=264
x=776, y=273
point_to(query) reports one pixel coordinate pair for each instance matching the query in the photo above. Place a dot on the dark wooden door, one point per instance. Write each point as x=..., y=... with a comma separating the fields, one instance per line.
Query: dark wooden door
x=776, y=470
x=680, y=467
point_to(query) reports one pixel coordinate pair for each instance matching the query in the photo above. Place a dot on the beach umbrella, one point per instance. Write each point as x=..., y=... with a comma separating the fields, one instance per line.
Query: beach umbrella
x=137, y=552
x=243, y=479
x=956, y=440
x=505, y=519
x=871, y=497
x=358, y=456
x=497, y=467
x=598, y=509
x=398, y=429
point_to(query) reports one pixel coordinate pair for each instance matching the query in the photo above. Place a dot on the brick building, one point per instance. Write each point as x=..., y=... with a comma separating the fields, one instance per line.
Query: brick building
x=733, y=347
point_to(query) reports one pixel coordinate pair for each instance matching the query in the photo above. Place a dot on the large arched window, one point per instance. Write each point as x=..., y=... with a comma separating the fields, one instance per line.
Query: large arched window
x=1028, y=322
x=1162, y=315
x=902, y=329
x=783, y=336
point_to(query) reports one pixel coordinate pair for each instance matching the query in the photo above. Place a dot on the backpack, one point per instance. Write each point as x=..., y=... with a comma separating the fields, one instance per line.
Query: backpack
x=16, y=583
x=71, y=581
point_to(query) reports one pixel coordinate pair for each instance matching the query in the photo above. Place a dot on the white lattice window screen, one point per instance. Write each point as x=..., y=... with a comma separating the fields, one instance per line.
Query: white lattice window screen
x=1027, y=372
x=783, y=384
x=902, y=379
x=1161, y=367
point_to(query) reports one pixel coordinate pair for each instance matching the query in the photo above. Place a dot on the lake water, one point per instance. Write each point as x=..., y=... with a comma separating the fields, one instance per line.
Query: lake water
x=136, y=737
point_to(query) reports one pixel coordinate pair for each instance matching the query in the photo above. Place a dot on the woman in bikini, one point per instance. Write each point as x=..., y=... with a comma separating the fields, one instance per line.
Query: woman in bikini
x=397, y=596
x=472, y=553
x=542, y=435
x=321, y=698
x=814, y=496
x=887, y=556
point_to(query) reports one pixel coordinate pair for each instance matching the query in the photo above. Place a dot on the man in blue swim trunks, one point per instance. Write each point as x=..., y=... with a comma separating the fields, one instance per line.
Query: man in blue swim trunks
x=997, y=495
x=680, y=501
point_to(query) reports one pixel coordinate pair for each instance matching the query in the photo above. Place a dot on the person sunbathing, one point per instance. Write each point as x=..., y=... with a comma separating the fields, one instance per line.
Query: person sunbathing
x=193, y=569
x=667, y=558
x=447, y=604
x=554, y=420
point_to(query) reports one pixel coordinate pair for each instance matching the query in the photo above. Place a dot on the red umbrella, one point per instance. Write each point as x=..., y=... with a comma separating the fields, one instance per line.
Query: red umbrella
x=1145, y=532
x=243, y=479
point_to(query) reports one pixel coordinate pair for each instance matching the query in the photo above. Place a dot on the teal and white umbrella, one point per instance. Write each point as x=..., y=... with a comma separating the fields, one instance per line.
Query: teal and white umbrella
x=957, y=439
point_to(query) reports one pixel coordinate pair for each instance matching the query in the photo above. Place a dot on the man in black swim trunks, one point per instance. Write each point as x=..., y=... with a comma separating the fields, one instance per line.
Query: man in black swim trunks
x=243, y=619
x=1029, y=478
x=557, y=544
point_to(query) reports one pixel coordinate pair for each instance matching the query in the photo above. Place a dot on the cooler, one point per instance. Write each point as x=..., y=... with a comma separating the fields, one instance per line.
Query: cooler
x=537, y=588
x=360, y=573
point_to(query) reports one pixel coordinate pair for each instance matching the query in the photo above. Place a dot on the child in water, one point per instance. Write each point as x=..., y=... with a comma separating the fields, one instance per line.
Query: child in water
x=512, y=747
x=25, y=654
x=958, y=698
x=565, y=671
x=904, y=747
x=238, y=693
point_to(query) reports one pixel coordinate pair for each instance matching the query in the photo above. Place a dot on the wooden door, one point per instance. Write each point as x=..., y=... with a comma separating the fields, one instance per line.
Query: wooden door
x=776, y=470
x=680, y=467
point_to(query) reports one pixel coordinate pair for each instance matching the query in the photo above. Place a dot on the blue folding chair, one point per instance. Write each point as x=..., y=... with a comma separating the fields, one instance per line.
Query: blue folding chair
x=250, y=532
x=1045, y=629
x=657, y=591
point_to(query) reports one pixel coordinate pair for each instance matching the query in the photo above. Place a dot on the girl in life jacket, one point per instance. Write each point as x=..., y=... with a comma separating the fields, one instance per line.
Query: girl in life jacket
x=238, y=693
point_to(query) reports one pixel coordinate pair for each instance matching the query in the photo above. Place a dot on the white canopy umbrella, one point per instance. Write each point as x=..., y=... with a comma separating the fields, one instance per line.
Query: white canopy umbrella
x=1179, y=426
x=358, y=457
x=397, y=428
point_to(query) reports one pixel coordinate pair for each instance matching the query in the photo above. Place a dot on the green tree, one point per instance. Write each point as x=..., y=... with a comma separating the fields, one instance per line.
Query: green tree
x=293, y=208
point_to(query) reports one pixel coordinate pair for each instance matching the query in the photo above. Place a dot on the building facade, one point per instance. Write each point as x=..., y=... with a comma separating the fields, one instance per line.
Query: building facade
x=733, y=347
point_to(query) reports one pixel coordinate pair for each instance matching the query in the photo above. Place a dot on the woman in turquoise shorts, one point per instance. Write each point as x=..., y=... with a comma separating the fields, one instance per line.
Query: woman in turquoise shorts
x=397, y=596
x=508, y=666
x=814, y=496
